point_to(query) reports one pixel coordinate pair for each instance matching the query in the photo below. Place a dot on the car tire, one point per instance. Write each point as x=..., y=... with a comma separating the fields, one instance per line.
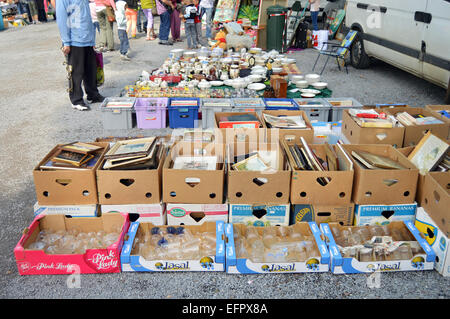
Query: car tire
x=358, y=56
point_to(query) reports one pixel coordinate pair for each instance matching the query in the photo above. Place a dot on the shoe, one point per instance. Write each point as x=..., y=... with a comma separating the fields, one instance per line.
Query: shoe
x=125, y=57
x=165, y=43
x=81, y=106
x=98, y=99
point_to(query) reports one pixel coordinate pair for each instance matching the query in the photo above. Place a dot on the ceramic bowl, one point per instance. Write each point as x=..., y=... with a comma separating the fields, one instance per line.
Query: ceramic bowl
x=302, y=84
x=312, y=78
x=308, y=95
x=320, y=85
x=296, y=78
x=255, y=77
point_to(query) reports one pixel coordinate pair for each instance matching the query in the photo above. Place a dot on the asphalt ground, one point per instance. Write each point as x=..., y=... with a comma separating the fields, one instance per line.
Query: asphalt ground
x=36, y=115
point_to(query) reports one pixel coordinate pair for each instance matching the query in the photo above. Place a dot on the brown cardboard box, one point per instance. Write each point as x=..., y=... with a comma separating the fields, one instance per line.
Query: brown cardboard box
x=370, y=135
x=434, y=110
x=241, y=134
x=369, y=186
x=252, y=187
x=384, y=106
x=414, y=133
x=274, y=134
x=419, y=194
x=122, y=187
x=305, y=188
x=436, y=199
x=67, y=187
x=194, y=186
x=343, y=215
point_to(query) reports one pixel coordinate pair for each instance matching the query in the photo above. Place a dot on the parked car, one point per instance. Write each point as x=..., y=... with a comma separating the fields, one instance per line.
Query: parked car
x=413, y=36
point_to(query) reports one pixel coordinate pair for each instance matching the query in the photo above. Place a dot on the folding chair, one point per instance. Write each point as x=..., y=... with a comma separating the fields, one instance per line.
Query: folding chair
x=337, y=51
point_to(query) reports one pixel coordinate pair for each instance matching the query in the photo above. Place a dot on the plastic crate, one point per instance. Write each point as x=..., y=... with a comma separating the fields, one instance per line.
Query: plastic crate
x=151, y=112
x=117, y=118
x=317, y=109
x=248, y=105
x=293, y=107
x=183, y=116
x=336, y=111
x=211, y=106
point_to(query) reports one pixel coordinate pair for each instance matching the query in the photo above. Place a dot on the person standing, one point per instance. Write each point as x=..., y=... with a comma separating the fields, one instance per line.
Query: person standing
x=207, y=7
x=78, y=37
x=175, y=22
x=122, y=29
x=32, y=6
x=106, y=41
x=198, y=24
x=147, y=7
x=132, y=13
x=189, y=14
x=314, y=9
x=164, y=9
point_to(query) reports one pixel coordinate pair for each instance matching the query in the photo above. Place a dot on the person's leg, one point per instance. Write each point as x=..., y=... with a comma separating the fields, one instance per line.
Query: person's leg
x=33, y=11
x=102, y=20
x=164, y=29
x=198, y=33
x=209, y=17
x=134, y=15
x=175, y=24
x=314, y=15
x=110, y=35
x=148, y=14
x=187, y=30
x=128, y=16
x=96, y=25
x=139, y=22
x=124, y=44
x=90, y=74
x=76, y=60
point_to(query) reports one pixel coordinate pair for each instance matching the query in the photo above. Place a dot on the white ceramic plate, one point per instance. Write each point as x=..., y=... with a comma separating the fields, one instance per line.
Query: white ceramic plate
x=308, y=95
x=256, y=86
x=312, y=91
x=216, y=83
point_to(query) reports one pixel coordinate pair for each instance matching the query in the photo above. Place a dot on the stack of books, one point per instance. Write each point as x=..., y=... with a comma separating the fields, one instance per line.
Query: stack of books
x=417, y=119
x=239, y=120
x=371, y=118
x=285, y=122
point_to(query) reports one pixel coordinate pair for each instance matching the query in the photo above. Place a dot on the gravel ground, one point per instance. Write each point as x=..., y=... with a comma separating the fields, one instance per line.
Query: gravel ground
x=36, y=115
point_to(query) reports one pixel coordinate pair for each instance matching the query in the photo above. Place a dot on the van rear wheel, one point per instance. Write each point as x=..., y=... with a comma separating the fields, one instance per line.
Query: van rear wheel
x=359, y=58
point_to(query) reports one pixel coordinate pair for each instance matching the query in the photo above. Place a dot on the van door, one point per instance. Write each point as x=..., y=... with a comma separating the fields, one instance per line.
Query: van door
x=398, y=38
x=436, y=60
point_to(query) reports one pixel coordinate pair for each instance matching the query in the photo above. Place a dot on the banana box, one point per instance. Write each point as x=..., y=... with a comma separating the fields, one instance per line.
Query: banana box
x=196, y=214
x=135, y=257
x=437, y=239
x=315, y=262
x=260, y=214
x=384, y=214
x=148, y=213
x=339, y=264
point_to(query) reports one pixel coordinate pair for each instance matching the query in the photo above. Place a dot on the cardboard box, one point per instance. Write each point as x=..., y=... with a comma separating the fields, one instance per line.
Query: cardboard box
x=241, y=134
x=436, y=198
x=146, y=213
x=382, y=185
x=73, y=211
x=134, y=262
x=438, y=240
x=122, y=187
x=384, y=214
x=240, y=265
x=194, y=186
x=414, y=133
x=370, y=135
x=305, y=185
x=348, y=265
x=322, y=214
x=196, y=214
x=260, y=214
x=37, y=262
x=67, y=187
x=289, y=134
x=253, y=187
x=434, y=109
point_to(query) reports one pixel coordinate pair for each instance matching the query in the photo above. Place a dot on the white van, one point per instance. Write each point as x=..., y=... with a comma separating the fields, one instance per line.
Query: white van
x=413, y=35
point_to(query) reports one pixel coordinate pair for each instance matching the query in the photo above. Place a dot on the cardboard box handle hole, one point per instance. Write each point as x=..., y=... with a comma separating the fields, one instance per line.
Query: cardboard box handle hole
x=107, y=195
x=437, y=198
x=45, y=193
